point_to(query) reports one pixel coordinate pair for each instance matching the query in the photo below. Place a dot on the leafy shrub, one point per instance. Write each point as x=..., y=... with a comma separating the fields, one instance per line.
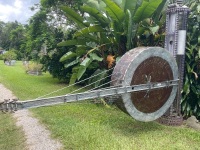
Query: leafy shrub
x=10, y=55
x=191, y=89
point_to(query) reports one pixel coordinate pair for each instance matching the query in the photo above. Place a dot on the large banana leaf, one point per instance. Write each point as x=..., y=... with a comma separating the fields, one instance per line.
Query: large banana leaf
x=103, y=21
x=146, y=10
x=159, y=10
x=71, y=14
x=114, y=11
x=129, y=30
x=90, y=37
x=104, y=38
x=81, y=71
x=129, y=5
x=86, y=62
x=94, y=56
x=83, y=66
x=81, y=49
x=74, y=75
x=76, y=61
x=68, y=55
x=118, y=2
x=99, y=5
x=84, y=31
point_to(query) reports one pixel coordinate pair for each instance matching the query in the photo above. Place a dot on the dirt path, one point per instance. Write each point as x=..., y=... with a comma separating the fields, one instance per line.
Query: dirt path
x=37, y=136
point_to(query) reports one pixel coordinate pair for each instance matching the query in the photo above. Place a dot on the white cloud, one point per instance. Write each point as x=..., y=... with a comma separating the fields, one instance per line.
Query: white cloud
x=7, y=11
x=18, y=4
x=11, y=10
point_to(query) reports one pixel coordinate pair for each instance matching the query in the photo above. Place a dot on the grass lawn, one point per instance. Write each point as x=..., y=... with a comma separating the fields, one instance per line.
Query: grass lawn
x=11, y=137
x=26, y=86
x=91, y=126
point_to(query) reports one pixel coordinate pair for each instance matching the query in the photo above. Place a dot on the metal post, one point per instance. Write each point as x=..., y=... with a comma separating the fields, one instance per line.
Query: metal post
x=175, y=41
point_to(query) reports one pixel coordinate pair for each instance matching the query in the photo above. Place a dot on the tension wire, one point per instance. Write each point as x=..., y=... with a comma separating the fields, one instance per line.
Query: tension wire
x=74, y=83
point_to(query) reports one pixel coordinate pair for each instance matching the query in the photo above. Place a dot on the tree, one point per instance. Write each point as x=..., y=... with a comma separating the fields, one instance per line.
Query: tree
x=54, y=14
x=6, y=28
x=45, y=30
x=18, y=38
x=12, y=36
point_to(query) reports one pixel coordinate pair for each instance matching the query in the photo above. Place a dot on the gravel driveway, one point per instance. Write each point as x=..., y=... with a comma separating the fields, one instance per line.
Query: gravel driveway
x=38, y=137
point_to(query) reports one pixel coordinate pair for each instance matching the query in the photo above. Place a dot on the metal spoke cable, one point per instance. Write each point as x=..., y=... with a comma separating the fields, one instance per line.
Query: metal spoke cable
x=103, y=85
x=90, y=84
x=98, y=86
x=115, y=86
x=95, y=82
x=75, y=83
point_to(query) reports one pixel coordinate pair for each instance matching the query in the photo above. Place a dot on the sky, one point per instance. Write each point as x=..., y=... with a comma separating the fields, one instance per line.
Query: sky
x=11, y=10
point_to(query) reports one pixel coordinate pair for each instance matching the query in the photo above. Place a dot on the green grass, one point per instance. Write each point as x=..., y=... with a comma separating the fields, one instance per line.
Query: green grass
x=89, y=126
x=11, y=137
x=26, y=86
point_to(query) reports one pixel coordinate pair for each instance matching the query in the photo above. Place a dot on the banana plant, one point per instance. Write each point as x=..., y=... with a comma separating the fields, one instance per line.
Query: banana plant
x=151, y=31
x=108, y=27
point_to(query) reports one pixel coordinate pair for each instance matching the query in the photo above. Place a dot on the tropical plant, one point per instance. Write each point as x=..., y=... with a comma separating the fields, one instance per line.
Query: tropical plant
x=108, y=27
x=191, y=89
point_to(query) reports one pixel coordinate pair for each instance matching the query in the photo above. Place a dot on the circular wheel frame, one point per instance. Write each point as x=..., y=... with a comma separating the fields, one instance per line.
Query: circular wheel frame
x=138, y=66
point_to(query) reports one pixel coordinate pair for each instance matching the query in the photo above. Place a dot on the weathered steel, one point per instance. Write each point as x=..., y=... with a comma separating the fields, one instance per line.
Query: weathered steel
x=171, y=120
x=176, y=24
x=140, y=65
x=14, y=105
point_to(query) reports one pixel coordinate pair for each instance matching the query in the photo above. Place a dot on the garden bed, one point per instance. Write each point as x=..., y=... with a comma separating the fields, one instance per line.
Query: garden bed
x=37, y=73
x=10, y=63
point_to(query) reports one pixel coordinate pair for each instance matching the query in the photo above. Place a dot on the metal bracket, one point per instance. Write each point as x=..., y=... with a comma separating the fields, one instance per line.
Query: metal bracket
x=149, y=84
x=9, y=105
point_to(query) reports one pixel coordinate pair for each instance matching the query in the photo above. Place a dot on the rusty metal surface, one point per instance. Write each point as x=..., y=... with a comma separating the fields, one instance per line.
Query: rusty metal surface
x=159, y=70
x=171, y=120
x=138, y=66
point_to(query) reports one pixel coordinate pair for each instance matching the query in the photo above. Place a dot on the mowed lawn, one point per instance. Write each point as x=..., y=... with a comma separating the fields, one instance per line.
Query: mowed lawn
x=91, y=126
x=27, y=87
